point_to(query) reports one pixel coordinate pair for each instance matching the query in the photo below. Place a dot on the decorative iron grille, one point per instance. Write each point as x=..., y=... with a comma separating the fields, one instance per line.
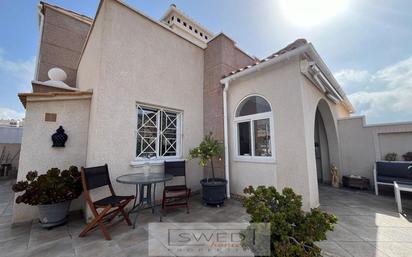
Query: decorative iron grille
x=157, y=132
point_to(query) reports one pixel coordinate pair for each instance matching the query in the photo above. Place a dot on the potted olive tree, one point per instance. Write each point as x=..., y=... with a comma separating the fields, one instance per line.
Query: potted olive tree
x=213, y=189
x=51, y=193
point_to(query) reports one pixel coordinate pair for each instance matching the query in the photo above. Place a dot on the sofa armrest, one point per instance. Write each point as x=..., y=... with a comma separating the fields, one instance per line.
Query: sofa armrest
x=375, y=179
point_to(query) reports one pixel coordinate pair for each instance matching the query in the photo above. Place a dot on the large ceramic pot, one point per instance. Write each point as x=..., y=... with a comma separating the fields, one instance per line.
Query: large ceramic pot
x=214, y=191
x=52, y=215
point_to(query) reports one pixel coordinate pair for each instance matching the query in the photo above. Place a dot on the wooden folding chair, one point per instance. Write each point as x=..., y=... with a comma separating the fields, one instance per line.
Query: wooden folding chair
x=95, y=177
x=177, y=194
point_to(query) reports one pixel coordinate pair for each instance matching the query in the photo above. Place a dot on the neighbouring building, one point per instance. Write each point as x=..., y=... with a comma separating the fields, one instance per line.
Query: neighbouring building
x=12, y=123
x=10, y=143
x=137, y=90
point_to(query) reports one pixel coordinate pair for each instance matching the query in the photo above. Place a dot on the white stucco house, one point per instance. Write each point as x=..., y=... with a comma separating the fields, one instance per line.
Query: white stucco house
x=140, y=88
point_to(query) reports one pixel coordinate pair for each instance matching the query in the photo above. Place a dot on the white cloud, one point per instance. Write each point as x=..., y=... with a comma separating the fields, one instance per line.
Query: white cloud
x=397, y=74
x=7, y=114
x=385, y=95
x=349, y=75
x=21, y=71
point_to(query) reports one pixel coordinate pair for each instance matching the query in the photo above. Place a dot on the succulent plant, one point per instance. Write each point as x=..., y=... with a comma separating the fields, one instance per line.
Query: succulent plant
x=53, y=187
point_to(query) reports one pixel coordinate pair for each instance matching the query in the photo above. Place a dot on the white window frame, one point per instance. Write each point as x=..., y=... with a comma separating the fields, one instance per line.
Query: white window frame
x=251, y=118
x=179, y=135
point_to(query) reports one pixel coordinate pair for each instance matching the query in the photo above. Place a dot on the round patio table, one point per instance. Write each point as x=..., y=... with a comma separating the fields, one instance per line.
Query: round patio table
x=142, y=182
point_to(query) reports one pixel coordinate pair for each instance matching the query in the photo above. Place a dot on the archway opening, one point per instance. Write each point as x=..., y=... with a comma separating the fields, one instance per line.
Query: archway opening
x=321, y=150
x=326, y=142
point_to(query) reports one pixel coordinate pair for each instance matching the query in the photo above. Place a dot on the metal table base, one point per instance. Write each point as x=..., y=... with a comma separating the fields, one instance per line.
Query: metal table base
x=140, y=199
x=145, y=191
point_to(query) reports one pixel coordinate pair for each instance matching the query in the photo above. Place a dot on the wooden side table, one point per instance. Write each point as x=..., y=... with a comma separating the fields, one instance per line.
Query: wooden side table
x=355, y=182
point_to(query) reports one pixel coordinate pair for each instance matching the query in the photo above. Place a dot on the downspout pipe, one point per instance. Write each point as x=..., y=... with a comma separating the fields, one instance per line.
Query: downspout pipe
x=226, y=139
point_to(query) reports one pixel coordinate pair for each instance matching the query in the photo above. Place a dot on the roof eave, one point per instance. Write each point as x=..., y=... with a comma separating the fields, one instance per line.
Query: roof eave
x=265, y=64
x=325, y=70
x=23, y=96
x=70, y=13
x=310, y=50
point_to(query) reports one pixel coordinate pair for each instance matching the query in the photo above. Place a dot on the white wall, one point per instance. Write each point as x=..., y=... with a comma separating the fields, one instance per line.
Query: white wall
x=37, y=152
x=289, y=170
x=294, y=102
x=395, y=142
x=314, y=99
x=138, y=62
x=362, y=145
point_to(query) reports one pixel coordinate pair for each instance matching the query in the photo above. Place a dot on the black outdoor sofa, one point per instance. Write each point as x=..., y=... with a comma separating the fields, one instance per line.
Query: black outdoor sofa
x=386, y=172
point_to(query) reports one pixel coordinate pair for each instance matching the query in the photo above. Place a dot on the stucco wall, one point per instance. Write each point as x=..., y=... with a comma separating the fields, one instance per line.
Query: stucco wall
x=141, y=63
x=294, y=102
x=36, y=151
x=395, y=142
x=312, y=100
x=221, y=57
x=362, y=144
x=289, y=169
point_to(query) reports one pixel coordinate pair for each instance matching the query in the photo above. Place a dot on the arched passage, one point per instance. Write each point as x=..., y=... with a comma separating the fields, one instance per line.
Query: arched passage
x=326, y=141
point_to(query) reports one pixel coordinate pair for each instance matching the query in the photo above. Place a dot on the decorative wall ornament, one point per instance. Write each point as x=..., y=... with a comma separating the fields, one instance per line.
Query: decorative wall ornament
x=59, y=138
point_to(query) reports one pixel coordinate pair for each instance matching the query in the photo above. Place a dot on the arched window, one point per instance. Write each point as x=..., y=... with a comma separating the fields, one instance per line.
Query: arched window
x=253, y=105
x=254, y=129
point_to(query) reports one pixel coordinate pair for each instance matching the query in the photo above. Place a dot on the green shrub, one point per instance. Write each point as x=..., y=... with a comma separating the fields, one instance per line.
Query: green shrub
x=408, y=155
x=49, y=188
x=391, y=157
x=293, y=231
x=208, y=149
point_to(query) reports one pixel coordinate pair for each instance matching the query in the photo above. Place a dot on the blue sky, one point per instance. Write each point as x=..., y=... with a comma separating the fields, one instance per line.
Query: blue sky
x=366, y=44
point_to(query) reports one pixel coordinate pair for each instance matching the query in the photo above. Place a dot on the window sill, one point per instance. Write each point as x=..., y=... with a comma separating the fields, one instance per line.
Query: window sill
x=153, y=162
x=254, y=159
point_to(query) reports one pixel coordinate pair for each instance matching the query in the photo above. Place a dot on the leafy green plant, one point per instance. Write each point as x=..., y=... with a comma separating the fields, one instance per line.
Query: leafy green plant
x=408, y=156
x=208, y=149
x=391, y=157
x=293, y=231
x=53, y=187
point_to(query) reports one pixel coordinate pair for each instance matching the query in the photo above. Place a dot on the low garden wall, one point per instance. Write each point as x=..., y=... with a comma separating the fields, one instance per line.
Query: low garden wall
x=361, y=145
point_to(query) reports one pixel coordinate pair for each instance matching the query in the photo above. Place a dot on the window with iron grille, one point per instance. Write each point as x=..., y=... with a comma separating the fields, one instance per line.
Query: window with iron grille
x=158, y=132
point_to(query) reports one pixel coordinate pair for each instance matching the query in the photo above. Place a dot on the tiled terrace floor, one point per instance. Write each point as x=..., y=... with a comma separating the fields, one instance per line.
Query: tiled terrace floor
x=368, y=226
